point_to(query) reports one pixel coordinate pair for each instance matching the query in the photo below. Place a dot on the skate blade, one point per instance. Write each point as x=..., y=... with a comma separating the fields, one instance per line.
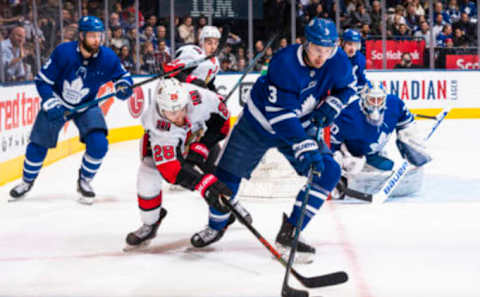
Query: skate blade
x=300, y=258
x=86, y=200
x=11, y=199
x=139, y=247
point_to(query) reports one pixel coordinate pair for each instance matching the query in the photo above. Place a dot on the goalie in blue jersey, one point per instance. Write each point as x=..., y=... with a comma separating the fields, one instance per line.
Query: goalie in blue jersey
x=72, y=77
x=305, y=88
x=359, y=137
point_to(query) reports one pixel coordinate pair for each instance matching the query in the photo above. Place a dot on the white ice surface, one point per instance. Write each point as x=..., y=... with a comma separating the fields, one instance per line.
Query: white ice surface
x=424, y=245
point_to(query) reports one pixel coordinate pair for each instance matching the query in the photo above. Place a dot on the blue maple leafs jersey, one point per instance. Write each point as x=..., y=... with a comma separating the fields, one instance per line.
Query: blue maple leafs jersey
x=281, y=102
x=358, y=69
x=67, y=75
x=362, y=138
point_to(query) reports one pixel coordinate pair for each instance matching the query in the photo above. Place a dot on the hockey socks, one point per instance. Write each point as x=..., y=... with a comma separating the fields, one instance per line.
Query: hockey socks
x=317, y=196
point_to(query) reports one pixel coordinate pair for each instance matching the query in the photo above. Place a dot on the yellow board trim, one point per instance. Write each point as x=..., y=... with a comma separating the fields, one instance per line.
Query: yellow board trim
x=12, y=169
x=455, y=113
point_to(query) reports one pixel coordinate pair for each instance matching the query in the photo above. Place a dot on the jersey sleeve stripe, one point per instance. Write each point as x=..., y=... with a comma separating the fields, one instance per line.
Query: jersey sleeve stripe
x=273, y=108
x=404, y=123
x=45, y=78
x=282, y=117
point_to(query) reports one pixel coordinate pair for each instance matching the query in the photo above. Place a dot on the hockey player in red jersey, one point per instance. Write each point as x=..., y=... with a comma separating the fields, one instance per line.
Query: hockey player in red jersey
x=174, y=122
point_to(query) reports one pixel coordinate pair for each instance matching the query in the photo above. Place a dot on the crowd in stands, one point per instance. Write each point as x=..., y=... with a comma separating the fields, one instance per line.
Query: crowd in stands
x=454, y=26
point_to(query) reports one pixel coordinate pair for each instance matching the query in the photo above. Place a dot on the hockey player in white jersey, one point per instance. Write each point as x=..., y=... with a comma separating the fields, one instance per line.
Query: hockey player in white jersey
x=72, y=77
x=179, y=112
x=359, y=137
x=204, y=74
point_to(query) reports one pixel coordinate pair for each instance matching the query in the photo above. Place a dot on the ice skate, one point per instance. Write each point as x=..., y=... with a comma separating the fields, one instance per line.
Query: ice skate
x=20, y=190
x=85, y=190
x=144, y=235
x=208, y=235
x=284, y=241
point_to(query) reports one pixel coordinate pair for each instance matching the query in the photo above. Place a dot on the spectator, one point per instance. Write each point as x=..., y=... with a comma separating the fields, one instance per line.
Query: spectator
x=419, y=10
x=187, y=31
x=469, y=7
x=438, y=9
x=126, y=59
x=438, y=26
x=240, y=53
x=459, y=38
x=448, y=43
x=241, y=65
x=424, y=33
x=13, y=53
x=406, y=62
x=283, y=43
x=411, y=18
x=227, y=54
x=114, y=21
x=152, y=22
x=466, y=26
x=453, y=11
x=162, y=34
x=162, y=54
x=444, y=35
x=403, y=33
x=226, y=65
x=360, y=16
x=118, y=39
x=149, y=63
x=148, y=35
x=376, y=17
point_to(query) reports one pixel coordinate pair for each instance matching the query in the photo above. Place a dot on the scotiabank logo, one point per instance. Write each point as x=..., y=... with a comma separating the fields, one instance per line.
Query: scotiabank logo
x=136, y=103
x=462, y=62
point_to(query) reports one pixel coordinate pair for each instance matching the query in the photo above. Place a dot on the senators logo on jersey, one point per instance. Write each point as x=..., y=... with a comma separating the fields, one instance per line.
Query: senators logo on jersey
x=163, y=125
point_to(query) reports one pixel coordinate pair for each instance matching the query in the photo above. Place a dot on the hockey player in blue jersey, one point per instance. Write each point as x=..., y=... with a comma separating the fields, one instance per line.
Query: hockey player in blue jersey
x=283, y=106
x=71, y=77
x=351, y=44
x=359, y=136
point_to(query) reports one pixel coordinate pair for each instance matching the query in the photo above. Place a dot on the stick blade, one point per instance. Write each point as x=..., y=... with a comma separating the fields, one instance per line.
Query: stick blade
x=288, y=291
x=325, y=280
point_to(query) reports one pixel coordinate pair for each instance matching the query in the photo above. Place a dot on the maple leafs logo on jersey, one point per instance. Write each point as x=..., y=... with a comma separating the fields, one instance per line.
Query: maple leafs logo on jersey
x=381, y=142
x=307, y=106
x=74, y=92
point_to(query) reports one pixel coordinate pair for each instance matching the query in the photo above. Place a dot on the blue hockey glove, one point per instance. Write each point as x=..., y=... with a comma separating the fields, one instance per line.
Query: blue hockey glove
x=308, y=155
x=123, y=89
x=328, y=111
x=54, y=109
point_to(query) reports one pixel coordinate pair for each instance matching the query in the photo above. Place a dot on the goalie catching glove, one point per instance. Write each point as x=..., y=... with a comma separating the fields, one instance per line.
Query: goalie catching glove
x=412, y=146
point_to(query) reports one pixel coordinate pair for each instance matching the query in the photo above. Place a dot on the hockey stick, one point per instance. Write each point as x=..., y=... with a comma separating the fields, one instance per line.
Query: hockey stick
x=186, y=66
x=288, y=291
x=251, y=65
x=309, y=282
x=396, y=176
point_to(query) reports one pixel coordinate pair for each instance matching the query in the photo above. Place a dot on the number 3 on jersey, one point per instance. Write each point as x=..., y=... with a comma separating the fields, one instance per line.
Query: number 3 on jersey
x=272, y=96
x=161, y=153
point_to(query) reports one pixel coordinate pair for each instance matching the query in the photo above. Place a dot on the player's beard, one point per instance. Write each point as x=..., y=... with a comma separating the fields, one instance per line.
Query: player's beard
x=90, y=49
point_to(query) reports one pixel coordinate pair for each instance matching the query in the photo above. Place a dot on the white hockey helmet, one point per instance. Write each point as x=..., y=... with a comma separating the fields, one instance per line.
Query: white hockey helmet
x=209, y=32
x=170, y=95
x=373, y=102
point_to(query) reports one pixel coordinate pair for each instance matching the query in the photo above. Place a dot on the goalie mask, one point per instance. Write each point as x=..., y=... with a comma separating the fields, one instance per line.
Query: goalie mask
x=373, y=102
x=171, y=99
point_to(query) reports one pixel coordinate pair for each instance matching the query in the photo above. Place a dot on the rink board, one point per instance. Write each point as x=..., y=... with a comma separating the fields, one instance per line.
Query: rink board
x=424, y=92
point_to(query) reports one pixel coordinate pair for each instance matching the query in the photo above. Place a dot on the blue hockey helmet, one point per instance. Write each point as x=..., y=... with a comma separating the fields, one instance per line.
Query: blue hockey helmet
x=321, y=32
x=373, y=101
x=90, y=24
x=352, y=36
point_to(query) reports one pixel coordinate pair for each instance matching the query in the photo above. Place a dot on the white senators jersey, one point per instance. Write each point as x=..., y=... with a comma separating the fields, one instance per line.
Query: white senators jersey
x=206, y=70
x=165, y=137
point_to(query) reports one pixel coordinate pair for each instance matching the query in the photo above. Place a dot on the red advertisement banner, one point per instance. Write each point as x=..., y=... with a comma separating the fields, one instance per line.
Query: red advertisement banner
x=462, y=62
x=395, y=49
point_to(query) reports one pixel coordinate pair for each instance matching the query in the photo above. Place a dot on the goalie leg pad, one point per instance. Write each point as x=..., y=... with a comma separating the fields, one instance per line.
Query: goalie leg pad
x=414, y=155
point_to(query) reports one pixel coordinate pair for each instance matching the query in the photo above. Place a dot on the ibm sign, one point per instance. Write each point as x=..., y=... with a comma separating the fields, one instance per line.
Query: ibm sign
x=237, y=9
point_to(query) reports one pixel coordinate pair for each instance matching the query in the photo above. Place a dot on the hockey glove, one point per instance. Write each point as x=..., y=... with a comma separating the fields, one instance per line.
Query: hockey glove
x=328, y=111
x=198, y=155
x=350, y=164
x=172, y=66
x=412, y=146
x=307, y=155
x=123, y=89
x=214, y=191
x=54, y=109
